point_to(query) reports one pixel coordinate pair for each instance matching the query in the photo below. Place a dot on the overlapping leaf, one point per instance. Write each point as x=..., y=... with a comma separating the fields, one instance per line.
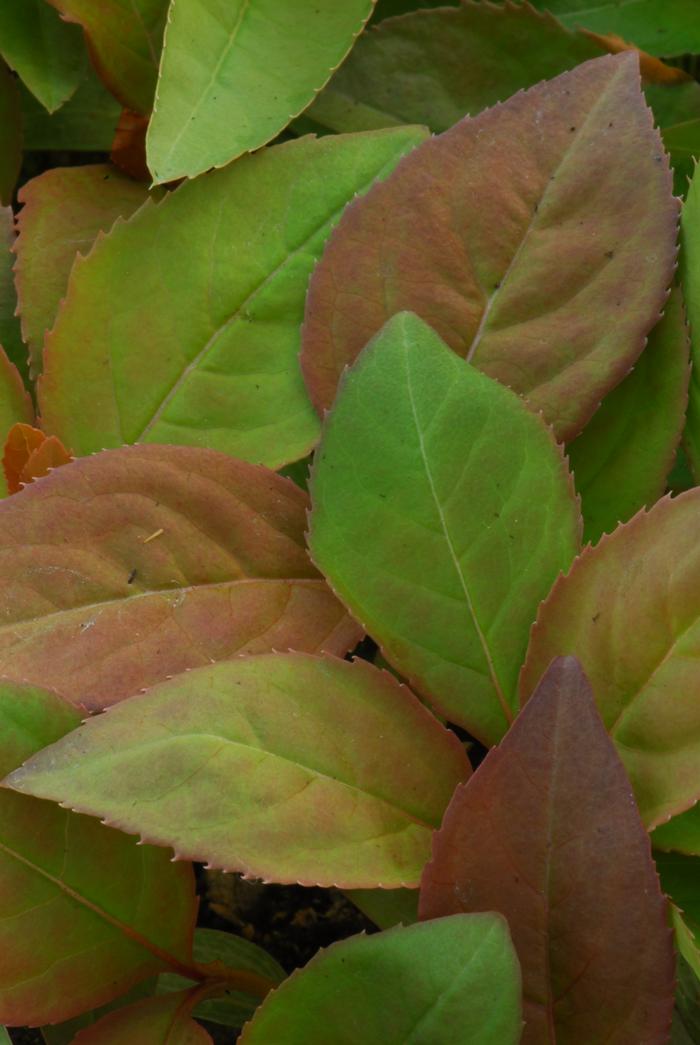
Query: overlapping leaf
x=86, y=912
x=131, y=565
x=234, y=75
x=546, y=833
x=668, y=29
x=45, y=52
x=85, y=123
x=690, y=275
x=29, y=454
x=15, y=404
x=286, y=766
x=526, y=250
x=452, y=529
x=164, y=1020
x=125, y=38
x=10, y=134
x=10, y=334
x=443, y=981
x=680, y=880
x=210, y=286
x=681, y=833
x=630, y=611
x=63, y=211
x=623, y=456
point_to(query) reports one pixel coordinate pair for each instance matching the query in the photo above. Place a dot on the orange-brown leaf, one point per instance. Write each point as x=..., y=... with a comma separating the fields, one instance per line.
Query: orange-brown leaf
x=29, y=454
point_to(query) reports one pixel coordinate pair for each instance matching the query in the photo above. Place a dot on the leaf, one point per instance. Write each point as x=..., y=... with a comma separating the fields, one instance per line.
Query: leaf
x=64, y=1033
x=563, y=856
x=15, y=404
x=386, y=907
x=64, y=209
x=10, y=134
x=129, y=145
x=125, y=39
x=218, y=321
x=30, y=454
x=45, y=52
x=433, y=66
x=123, y=568
x=163, y=1020
x=629, y=609
x=670, y=29
x=10, y=336
x=235, y=1007
x=248, y=764
x=448, y=537
x=679, y=880
x=414, y=985
x=687, y=1005
x=681, y=833
x=501, y=239
x=690, y=279
x=623, y=456
x=234, y=75
x=70, y=937
x=85, y=123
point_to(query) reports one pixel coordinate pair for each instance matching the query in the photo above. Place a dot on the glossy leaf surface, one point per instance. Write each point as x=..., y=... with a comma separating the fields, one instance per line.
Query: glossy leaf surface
x=218, y=320
x=233, y=75
x=561, y=851
x=45, y=52
x=446, y=539
x=125, y=567
x=248, y=765
x=71, y=936
x=623, y=456
x=63, y=211
x=525, y=250
x=630, y=611
x=163, y=1020
x=454, y=979
x=125, y=38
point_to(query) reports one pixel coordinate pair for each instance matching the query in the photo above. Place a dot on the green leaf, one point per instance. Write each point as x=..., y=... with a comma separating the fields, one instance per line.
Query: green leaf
x=680, y=880
x=72, y=936
x=676, y=109
x=219, y=320
x=248, y=764
x=453, y=979
x=10, y=134
x=546, y=833
x=681, y=833
x=46, y=53
x=623, y=456
x=434, y=66
x=123, y=568
x=10, y=334
x=15, y=405
x=125, y=38
x=528, y=254
x=234, y=1008
x=668, y=29
x=4, y=1036
x=86, y=123
x=629, y=609
x=233, y=75
x=690, y=278
x=386, y=907
x=687, y=1015
x=453, y=529
x=63, y=211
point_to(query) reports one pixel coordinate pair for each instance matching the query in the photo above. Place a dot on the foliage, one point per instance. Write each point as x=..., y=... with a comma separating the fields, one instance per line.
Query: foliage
x=349, y=525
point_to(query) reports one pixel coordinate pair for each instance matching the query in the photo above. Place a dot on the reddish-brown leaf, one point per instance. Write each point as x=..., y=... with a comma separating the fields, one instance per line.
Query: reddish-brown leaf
x=537, y=238
x=135, y=564
x=547, y=833
x=30, y=454
x=165, y=1019
x=129, y=145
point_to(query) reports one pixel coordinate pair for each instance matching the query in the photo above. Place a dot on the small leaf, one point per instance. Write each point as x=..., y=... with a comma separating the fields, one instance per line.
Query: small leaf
x=413, y=985
x=668, y=29
x=64, y=210
x=15, y=404
x=680, y=878
x=218, y=322
x=546, y=832
x=163, y=1020
x=10, y=134
x=248, y=764
x=71, y=937
x=10, y=335
x=125, y=39
x=45, y=52
x=629, y=609
x=30, y=454
x=450, y=534
x=126, y=567
x=86, y=122
x=528, y=253
x=233, y=75
x=680, y=833
x=623, y=456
